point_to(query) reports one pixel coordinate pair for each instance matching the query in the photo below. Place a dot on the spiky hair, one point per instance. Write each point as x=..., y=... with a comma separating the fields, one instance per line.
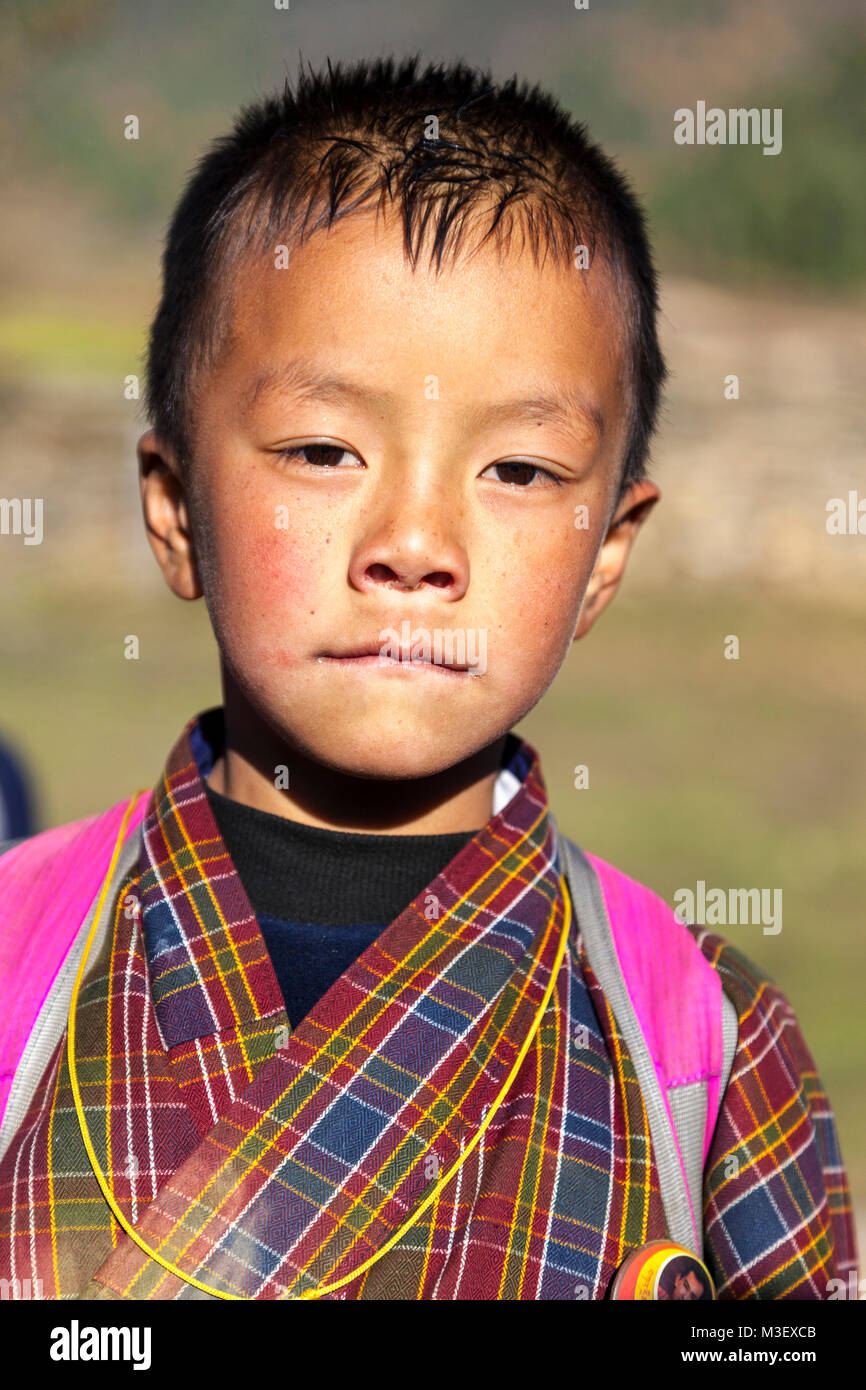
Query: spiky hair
x=505, y=159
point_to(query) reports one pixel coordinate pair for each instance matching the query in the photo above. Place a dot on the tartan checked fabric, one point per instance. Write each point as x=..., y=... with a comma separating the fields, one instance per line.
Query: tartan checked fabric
x=777, y=1210
x=267, y=1162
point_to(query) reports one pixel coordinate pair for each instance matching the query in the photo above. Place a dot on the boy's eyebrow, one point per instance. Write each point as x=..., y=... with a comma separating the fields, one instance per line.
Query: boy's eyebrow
x=555, y=406
x=305, y=380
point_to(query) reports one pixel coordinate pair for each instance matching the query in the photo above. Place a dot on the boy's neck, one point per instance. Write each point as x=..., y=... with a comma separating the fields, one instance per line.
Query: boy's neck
x=459, y=798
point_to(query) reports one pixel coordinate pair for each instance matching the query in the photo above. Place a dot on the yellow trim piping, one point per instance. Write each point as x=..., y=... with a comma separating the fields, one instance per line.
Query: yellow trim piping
x=419, y=1210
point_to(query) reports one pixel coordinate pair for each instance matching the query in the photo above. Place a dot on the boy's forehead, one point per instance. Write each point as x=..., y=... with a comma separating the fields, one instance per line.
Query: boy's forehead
x=350, y=294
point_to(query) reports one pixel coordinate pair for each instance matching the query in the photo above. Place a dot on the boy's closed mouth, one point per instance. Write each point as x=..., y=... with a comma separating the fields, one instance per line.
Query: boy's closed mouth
x=371, y=657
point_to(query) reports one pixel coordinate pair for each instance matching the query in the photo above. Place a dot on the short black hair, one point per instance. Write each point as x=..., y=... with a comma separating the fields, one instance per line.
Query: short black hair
x=348, y=134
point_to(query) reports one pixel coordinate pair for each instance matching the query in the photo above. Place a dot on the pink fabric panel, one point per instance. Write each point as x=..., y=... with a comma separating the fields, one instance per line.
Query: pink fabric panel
x=47, y=886
x=685, y=1043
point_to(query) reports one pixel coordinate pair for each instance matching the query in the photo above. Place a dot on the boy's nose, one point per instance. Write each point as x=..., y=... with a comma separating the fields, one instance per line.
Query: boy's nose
x=410, y=578
x=411, y=558
x=381, y=567
x=413, y=539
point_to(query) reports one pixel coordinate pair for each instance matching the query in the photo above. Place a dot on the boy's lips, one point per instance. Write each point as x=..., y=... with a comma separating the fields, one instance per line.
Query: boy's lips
x=369, y=657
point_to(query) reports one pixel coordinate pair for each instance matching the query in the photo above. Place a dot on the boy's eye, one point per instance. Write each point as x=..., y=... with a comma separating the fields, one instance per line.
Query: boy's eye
x=318, y=455
x=520, y=471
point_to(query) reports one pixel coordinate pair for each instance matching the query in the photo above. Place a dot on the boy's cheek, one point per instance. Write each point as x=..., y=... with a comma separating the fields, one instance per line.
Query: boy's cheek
x=274, y=586
x=264, y=569
x=546, y=591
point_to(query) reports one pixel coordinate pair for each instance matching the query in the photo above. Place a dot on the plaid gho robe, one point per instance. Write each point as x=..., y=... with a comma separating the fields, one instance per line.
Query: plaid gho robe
x=267, y=1163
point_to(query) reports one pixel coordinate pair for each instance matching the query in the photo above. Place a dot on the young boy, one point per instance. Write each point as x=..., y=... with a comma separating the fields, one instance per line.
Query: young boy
x=338, y=1032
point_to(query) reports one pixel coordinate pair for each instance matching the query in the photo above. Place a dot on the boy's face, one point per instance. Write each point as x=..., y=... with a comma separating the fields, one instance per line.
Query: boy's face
x=404, y=515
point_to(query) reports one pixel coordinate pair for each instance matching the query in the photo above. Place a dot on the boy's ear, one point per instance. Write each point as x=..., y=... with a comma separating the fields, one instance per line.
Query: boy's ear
x=632, y=510
x=166, y=515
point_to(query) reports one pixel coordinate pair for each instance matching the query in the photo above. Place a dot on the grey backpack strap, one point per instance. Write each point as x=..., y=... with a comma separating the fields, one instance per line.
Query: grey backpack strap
x=688, y=1103
x=52, y=1018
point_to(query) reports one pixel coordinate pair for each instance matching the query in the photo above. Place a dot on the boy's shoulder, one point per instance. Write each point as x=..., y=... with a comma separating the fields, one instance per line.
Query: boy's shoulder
x=747, y=985
x=770, y=1039
x=654, y=945
x=666, y=956
x=777, y=1136
x=71, y=843
x=48, y=884
x=42, y=846
x=49, y=881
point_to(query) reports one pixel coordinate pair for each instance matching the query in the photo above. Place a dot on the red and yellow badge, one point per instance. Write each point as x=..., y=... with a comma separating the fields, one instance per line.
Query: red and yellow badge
x=663, y=1271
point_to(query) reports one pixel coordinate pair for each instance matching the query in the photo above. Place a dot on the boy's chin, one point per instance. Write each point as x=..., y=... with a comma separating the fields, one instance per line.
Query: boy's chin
x=391, y=755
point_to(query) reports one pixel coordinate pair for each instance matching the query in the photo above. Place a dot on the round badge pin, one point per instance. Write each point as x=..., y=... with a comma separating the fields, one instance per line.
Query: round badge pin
x=663, y=1271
